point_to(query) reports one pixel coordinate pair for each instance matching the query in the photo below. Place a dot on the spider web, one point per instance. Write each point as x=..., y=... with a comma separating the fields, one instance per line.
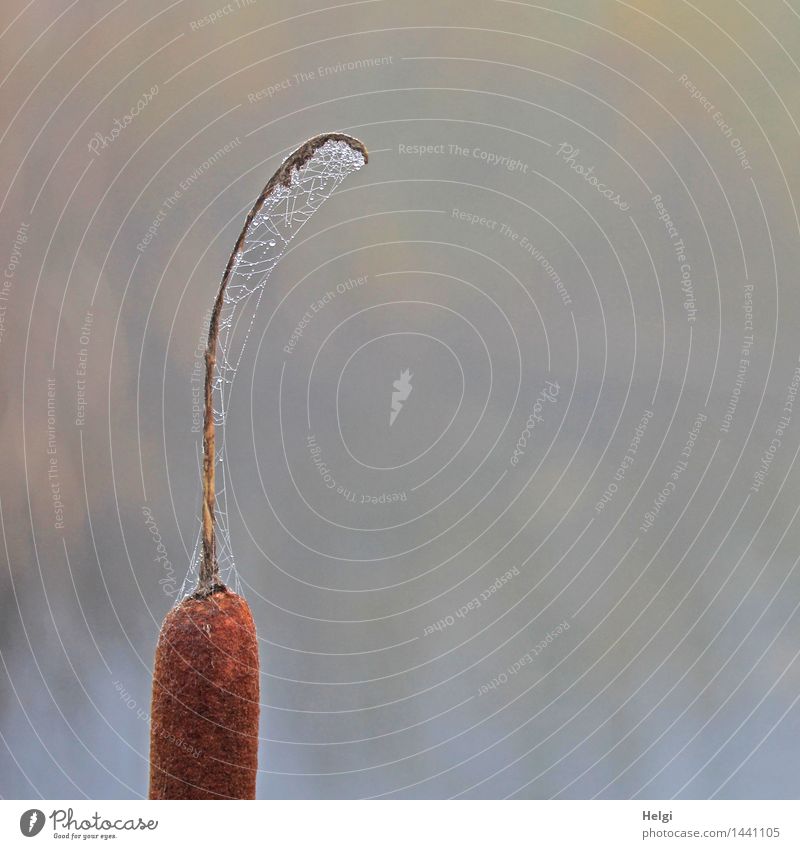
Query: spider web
x=278, y=220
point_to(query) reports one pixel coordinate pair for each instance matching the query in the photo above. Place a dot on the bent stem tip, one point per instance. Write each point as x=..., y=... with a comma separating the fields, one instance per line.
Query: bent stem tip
x=209, y=579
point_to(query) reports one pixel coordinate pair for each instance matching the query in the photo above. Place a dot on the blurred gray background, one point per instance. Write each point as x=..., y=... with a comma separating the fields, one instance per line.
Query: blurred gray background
x=587, y=592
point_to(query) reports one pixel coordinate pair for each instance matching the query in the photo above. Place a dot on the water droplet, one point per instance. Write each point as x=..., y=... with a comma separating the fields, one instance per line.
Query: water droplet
x=272, y=243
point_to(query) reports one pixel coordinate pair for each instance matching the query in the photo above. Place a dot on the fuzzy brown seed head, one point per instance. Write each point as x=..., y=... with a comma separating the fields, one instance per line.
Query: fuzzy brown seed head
x=204, y=716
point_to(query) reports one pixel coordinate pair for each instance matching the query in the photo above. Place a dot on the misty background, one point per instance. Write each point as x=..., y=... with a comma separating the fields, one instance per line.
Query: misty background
x=568, y=566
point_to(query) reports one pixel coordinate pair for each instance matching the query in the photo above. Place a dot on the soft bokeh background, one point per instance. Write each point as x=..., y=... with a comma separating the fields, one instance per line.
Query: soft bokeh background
x=668, y=648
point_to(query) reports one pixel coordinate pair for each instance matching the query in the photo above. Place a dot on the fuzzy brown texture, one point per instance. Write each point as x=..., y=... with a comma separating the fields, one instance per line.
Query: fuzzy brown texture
x=204, y=715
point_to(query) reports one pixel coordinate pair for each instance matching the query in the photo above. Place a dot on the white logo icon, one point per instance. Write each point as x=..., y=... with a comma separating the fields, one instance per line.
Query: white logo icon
x=402, y=389
x=31, y=822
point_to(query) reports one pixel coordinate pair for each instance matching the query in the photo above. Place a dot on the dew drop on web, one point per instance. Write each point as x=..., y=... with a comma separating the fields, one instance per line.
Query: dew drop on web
x=283, y=213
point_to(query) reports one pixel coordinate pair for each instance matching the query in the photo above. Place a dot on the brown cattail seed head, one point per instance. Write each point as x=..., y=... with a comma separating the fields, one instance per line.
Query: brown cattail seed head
x=204, y=715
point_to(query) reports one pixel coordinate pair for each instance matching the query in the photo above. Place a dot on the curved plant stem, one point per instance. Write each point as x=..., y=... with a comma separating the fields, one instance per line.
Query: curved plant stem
x=209, y=580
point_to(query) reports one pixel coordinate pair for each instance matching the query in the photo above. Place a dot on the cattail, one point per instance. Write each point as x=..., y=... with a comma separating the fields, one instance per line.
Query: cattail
x=204, y=718
x=204, y=715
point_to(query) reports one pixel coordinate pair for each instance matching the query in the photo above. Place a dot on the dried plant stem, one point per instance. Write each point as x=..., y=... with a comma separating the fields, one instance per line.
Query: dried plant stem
x=206, y=690
x=209, y=569
x=209, y=579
